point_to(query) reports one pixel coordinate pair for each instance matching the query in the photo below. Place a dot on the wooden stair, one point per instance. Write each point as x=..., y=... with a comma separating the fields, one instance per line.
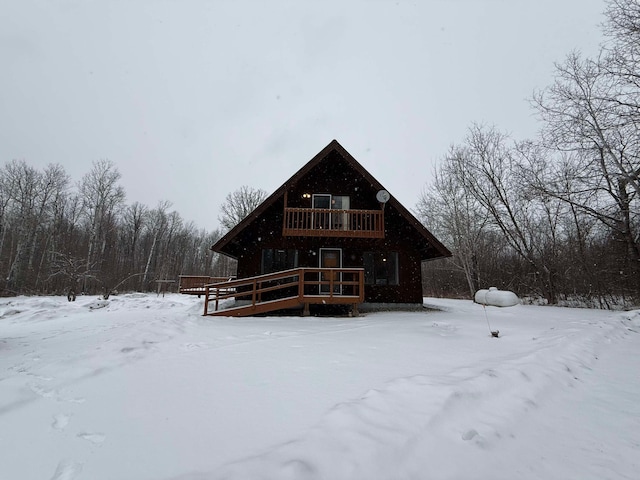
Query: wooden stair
x=298, y=287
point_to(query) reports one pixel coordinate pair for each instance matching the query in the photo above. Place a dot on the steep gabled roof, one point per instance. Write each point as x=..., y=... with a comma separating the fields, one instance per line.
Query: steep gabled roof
x=333, y=145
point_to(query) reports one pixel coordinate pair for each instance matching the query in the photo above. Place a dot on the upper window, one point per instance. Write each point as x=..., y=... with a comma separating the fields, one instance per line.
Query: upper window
x=326, y=219
x=381, y=268
x=321, y=200
x=328, y=201
x=340, y=202
x=276, y=260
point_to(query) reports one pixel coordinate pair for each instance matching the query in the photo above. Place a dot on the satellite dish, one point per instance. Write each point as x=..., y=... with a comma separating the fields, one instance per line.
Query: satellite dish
x=383, y=196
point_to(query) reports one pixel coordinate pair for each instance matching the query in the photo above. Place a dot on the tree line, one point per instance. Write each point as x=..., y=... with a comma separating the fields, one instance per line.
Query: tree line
x=59, y=238
x=557, y=216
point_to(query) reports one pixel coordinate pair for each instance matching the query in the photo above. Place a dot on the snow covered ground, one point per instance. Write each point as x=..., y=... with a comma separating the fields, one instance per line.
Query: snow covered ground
x=143, y=387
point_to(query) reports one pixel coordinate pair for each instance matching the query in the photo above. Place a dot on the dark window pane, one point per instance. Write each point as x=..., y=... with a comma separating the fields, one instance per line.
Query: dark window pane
x=380, y=268
x=392, y=268
x=276, y=260
x=369, y=277
x=322, y=201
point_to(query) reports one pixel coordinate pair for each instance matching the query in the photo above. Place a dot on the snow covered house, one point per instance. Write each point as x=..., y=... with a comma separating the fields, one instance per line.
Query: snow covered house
x=357, y=243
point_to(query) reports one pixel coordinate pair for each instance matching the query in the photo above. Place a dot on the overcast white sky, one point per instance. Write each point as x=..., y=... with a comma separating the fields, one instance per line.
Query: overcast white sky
x=194, y=98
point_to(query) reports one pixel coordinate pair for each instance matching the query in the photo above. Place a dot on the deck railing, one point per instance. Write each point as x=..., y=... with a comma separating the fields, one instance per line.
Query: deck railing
x=326, y=222
x=195, y=284
x=303, y=285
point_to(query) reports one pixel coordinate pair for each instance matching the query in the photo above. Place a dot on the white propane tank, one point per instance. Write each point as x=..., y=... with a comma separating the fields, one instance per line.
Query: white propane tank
x=496, y=298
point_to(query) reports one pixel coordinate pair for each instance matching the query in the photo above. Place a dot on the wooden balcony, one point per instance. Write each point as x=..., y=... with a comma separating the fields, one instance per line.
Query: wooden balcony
x=321, y=222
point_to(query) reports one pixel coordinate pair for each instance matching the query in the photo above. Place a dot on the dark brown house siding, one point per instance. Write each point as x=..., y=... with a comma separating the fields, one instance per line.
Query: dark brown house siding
x=333, y=171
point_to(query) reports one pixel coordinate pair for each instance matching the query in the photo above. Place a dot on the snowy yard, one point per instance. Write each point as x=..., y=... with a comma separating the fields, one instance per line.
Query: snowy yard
x=143, y=387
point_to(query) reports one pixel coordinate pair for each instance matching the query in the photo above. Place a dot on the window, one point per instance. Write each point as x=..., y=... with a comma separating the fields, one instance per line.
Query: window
x=321, y=200
x=325, y=219
x=340, y=221
x=321, y=220
x=381, y=268
x=340, y=202
x=276, y=260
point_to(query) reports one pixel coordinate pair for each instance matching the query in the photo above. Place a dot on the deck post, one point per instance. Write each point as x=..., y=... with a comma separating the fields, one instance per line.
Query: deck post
x=206, y=300
x=305, y=311
x=331, y=274
x=253, y=293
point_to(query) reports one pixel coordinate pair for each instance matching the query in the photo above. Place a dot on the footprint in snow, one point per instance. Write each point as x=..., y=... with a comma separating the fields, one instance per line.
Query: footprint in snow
x=60, y=421
x=469, y=435
x=474, y=437
x=54, y=394
x=95, y=438
x=39, y=377
x=189, y=347
x=41, y=391
x=19, y=368
x=67, y=470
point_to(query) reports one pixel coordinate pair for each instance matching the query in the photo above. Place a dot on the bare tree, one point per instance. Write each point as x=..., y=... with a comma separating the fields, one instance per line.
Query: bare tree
x=72, y=270
x=157, y=227
x=239, y=204
x=135, y=217
x=102, y=198
x=52, y=197
x=491, y=172
x=622, y=49
x=455, y=216
x=592, y=110
x=22, y=185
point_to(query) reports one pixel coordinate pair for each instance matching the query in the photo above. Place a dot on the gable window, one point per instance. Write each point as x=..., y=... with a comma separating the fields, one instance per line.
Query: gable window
x=381, y=268
x=276, y=260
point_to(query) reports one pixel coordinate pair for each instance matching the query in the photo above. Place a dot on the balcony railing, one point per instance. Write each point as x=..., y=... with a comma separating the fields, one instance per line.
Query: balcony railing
x=324, y=222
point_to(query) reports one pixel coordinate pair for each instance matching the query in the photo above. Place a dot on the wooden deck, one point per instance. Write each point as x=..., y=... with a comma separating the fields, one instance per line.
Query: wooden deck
x=321, y=222
x=195, y=284
x=295, y=288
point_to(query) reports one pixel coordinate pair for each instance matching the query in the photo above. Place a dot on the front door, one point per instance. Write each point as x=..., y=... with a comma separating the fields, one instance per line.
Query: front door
x=330, y=258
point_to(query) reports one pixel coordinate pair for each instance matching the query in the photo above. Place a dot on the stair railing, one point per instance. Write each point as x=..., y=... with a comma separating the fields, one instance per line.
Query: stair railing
x=345, y=285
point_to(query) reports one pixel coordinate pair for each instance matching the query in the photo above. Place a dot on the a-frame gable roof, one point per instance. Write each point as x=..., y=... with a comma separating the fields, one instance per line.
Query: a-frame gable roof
x=219, y=246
